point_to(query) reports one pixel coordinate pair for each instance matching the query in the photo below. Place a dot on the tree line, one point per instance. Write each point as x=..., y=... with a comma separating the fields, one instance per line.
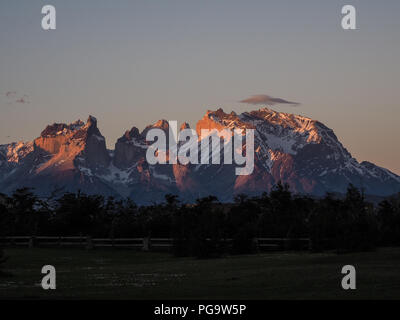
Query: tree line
x=202, y=228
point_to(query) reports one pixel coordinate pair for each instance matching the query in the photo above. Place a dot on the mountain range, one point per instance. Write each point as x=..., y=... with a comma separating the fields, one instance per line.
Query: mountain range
x=289, y=148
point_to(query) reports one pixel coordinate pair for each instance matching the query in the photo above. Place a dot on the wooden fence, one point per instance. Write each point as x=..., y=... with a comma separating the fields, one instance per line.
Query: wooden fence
x=144, y=244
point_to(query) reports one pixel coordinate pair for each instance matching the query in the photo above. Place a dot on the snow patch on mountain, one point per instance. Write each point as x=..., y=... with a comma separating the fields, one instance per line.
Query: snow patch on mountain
x=16, y=151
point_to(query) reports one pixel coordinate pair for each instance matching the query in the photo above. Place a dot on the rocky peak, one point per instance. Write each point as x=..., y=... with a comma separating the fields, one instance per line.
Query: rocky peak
x=53, y=130
x=184, y=126
x=92, y=121
x=220, y=120
x=129, y=148
x=162, y=124
x=61, y=128
x=74, y=145
x=130, y=135
x=94, y=152
x=280, y=118
x=88, y=130
x=280, y=123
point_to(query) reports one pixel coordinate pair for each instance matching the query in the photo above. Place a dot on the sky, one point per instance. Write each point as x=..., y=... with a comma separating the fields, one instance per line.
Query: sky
x=130, y=63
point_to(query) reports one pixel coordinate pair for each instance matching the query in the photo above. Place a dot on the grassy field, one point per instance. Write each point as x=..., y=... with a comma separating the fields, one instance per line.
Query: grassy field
x=124, y=274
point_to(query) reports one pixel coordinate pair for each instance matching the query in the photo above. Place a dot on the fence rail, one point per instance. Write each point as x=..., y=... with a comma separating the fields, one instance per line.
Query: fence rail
x=145, y=244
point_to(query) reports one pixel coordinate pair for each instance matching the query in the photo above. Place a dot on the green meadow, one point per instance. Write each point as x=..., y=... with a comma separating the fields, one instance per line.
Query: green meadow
x=126, y=274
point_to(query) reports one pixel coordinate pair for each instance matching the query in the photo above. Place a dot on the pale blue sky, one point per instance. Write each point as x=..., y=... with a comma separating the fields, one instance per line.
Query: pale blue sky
x=133, y=62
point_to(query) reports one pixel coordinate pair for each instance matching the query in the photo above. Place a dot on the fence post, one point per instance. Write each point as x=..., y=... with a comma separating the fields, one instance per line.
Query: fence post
x=89, y=243
x=146, y=244
x=310, y=244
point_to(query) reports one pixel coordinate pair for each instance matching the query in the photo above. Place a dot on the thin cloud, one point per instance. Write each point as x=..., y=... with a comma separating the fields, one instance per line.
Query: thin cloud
x=13, y=97
x=21, y=100
x=10, y=93
x=267, y=100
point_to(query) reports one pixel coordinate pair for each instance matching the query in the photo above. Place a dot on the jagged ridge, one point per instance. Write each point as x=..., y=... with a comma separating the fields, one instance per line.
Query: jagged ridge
x=288, y=148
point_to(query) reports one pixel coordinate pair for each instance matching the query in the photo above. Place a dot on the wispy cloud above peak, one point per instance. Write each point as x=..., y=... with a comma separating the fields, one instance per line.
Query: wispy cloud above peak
x=263, y=99
x=14, y=97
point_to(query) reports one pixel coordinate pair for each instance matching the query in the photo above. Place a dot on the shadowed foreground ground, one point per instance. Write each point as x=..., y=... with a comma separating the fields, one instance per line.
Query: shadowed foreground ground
x=124, y=274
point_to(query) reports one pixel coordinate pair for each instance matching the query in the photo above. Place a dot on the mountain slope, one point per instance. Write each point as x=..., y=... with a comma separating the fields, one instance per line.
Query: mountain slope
x=64, y=157
x=289, y=148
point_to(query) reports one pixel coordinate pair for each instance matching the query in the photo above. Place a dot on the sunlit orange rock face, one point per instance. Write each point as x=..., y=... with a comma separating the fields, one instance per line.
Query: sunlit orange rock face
x=51, y=145
x=185, y=181
x=184, y=126
x=56, y=135
x=183, y=174
x=219, y=120
x=253, y=183
x=64, y=144
x=208, y=122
